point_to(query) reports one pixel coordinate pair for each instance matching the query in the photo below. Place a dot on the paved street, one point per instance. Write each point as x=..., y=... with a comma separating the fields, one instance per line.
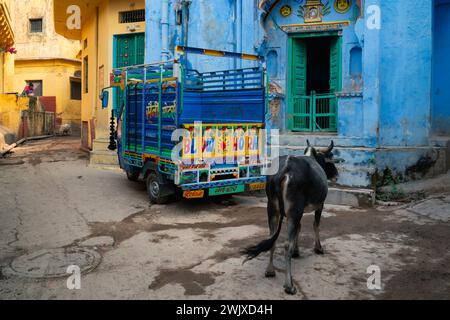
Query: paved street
x=51, y=199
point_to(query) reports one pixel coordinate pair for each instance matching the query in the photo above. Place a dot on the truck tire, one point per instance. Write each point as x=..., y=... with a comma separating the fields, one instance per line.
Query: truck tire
x=133, y=176
x=154, y=189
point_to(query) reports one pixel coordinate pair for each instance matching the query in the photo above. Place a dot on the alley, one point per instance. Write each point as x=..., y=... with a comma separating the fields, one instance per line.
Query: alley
x=53, y=203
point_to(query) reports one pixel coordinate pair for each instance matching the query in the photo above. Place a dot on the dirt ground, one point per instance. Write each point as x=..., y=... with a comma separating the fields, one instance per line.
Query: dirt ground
x=50, y=198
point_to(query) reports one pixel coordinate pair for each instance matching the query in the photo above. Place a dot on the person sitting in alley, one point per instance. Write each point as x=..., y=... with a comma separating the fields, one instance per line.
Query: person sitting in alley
x=28, y=90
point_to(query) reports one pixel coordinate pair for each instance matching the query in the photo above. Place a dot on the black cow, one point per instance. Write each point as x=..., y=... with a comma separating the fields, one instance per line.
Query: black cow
x=299, y=186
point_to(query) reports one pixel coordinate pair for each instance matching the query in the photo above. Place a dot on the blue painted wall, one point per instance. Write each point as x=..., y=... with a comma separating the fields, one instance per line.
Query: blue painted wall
x=405, y=72
x=220, y=24
x=441, y=68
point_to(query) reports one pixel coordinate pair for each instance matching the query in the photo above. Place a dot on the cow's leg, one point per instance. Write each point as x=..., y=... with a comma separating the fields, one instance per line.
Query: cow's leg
x=296, y=253
x=293, y=207
x=317, y=246
x=273, y=212
x=293, y=227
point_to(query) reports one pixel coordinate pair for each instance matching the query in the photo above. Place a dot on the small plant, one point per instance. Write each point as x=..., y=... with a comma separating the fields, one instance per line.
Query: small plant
x=389, y=179
x=8, y=49
x=395, y=194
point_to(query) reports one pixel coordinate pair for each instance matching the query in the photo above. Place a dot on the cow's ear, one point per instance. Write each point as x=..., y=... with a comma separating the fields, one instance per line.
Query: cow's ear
x=308, y=144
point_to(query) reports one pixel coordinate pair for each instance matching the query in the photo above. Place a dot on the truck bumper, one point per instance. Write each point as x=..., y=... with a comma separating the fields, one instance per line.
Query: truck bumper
x=223, y=187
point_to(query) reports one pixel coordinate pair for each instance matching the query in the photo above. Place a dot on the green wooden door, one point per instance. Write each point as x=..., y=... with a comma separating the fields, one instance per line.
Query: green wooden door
x=129, y=51
x=299, y=117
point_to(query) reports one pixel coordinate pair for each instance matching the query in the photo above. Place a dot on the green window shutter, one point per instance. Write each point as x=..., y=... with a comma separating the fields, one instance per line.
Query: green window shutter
x=335, y=65
x=297, y=111
x=335, y=81
x=299, y=76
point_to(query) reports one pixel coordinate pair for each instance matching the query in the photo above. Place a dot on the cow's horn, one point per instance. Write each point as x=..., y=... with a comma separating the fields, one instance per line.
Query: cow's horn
x=329, y=149
x=307, y=142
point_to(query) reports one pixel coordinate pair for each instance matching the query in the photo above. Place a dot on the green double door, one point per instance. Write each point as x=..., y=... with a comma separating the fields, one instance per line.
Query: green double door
x=129, y=50
x=314, y=78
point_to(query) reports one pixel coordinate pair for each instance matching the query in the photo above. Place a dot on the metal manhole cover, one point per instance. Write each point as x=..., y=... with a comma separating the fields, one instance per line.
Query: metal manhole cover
x=53, y=263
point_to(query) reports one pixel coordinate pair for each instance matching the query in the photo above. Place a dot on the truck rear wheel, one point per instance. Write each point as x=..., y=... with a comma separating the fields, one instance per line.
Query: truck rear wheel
x=154, y=190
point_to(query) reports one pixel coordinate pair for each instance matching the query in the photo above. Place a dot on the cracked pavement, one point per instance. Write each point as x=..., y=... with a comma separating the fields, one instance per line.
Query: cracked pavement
x=50, y=198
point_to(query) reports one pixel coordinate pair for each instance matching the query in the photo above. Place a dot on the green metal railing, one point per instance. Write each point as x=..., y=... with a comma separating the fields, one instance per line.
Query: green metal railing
x=314, y=113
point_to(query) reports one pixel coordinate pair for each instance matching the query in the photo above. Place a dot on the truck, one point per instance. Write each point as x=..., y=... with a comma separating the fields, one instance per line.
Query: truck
x=187, y=132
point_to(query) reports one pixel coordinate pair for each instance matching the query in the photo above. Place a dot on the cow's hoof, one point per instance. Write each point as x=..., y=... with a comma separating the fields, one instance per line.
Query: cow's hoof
x=290, y=290
x=318, y=251
x=270, y=274
x=296, y=255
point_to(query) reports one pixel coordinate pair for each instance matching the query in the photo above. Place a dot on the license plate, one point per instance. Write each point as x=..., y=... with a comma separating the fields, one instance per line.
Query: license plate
x=226, y=190
x=195, y=194
x=256, y=186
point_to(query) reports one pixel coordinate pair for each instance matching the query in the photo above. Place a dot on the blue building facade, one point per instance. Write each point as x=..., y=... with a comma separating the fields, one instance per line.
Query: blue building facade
x=372, y=75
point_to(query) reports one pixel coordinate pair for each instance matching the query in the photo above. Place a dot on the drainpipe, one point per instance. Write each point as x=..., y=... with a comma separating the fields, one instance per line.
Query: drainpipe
x=185, y=33
x=165, y=30
x=238, y=26
x=185, y=4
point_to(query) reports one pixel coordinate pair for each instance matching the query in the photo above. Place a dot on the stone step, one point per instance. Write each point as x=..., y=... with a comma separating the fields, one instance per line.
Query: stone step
x=354, y=197
x=342, y=196
x=360, y=164
x=100, y=145
x=322, y=140
x=110, y=167
x=104, y=158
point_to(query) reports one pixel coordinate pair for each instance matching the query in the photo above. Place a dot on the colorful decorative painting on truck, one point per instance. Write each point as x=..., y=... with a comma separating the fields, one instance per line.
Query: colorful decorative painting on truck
x=168, y=111
x=222, y=144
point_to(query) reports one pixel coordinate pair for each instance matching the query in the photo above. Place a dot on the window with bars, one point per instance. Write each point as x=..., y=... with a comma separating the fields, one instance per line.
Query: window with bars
x=35, y=25
x=75, y=89
x=132, y=16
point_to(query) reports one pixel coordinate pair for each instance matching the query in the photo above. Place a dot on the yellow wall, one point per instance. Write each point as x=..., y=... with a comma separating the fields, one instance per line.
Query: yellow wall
x=45, y=56
x=47, y=44
x=99, y=34
x=55, y=75
x=10, y=111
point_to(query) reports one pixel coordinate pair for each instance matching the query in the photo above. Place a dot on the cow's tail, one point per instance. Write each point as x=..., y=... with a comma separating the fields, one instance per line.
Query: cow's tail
x=263, y=246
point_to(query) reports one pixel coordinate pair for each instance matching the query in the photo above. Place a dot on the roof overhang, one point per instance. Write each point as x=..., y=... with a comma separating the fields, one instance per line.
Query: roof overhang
x=66, y=10
x=6, y=31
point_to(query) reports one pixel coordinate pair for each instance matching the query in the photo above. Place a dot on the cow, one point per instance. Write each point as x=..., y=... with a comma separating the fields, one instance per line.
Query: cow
x=300, y=186
x=65, y=130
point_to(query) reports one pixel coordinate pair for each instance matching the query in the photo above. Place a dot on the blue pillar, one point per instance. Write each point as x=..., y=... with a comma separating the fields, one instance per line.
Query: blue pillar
x=405, y=72
x=441, y=68
x=371, y=72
